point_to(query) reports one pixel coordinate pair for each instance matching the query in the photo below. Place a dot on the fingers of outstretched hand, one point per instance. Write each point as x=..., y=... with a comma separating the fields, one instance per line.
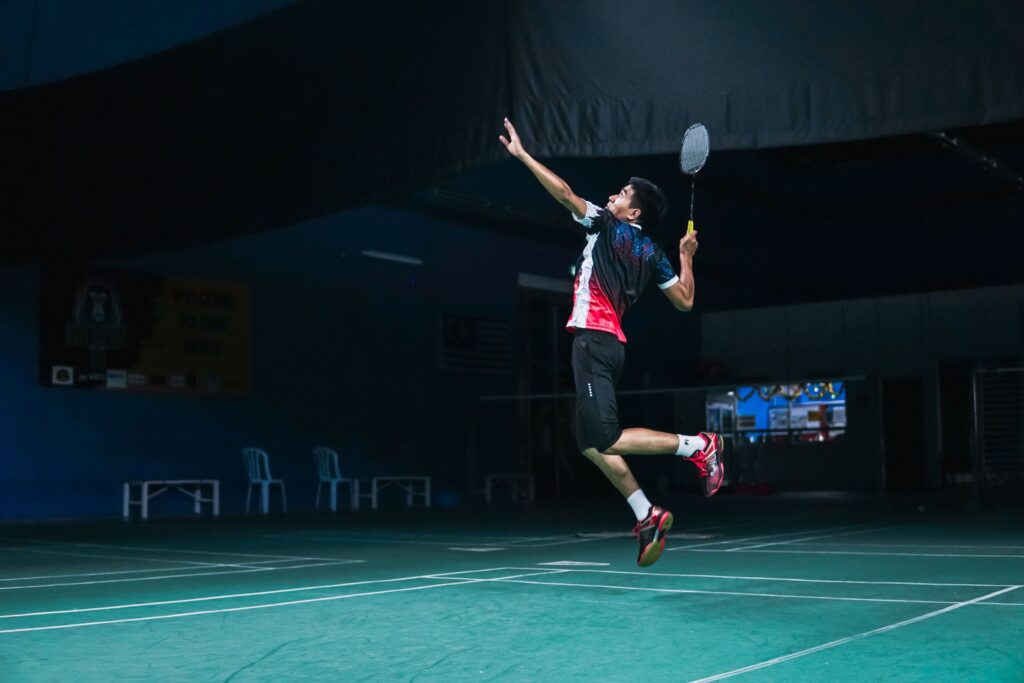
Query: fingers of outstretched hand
x=511, y=142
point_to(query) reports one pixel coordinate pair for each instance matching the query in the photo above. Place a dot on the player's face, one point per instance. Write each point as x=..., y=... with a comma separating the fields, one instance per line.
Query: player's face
x=619, y=205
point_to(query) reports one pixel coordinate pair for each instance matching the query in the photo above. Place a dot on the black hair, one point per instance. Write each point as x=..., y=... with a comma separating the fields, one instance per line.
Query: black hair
x=651, y=201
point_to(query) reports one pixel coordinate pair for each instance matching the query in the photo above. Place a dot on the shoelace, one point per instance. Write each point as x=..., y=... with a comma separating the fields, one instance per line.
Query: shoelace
x=701, y=460
x=641, y=525
x=701, y=463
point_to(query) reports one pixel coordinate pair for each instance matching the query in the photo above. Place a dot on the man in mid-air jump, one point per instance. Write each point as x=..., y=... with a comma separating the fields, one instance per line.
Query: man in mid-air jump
x=616, y=265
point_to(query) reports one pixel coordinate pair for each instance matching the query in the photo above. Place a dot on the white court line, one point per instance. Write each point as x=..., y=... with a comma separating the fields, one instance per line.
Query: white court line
x=483, y=539
x=566, y=540
x=762, y=537
x=454, y=581
x=98, y=556
x=760, y=522
x=791, y=579
x=850, y=552
x=843, y=641
x=169, y=550
x=379, y=541
x=134, y=579
x=814, y=538
x=690, y=591
x=229, y=596
x=118, y=572
x=677, y=530
x=229, y=609
x=924, y=545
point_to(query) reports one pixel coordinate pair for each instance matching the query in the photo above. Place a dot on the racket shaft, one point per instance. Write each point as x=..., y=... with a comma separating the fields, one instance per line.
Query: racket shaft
x=689, y=224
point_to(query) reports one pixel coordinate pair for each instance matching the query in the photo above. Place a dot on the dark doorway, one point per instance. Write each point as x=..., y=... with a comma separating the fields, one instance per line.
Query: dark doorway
x=903, y=434
x=545, y=424
x=955, y=417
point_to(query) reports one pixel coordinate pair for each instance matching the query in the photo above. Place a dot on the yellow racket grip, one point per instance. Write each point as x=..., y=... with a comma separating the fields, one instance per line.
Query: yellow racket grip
x=689, y=227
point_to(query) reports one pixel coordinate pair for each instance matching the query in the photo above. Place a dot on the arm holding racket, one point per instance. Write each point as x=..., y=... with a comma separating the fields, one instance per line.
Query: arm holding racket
x=682, y=293
x=556, y=187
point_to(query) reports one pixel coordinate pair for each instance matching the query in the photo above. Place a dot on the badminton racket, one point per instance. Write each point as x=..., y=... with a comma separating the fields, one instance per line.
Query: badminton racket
x=692, y=155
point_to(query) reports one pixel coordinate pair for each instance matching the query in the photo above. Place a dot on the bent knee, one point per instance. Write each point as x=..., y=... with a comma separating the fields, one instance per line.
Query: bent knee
x=600, y=443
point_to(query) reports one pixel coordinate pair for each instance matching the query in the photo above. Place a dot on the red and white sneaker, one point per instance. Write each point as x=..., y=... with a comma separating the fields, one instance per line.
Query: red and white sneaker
x=650, y=531
x=709, y=463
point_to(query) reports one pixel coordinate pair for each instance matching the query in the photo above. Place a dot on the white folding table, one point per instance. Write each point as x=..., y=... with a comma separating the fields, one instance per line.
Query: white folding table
x=413, y=486
x=149, y=489
x=515, y=482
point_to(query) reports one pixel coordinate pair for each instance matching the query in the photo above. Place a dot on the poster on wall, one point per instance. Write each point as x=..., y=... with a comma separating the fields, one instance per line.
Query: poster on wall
x=124, y=330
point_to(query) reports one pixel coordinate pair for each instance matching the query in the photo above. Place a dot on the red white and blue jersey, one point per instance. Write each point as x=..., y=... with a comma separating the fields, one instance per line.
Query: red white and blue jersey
x=613, y=271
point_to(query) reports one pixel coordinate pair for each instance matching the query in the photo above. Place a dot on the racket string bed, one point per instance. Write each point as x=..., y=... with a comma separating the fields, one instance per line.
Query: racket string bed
x=692, y=155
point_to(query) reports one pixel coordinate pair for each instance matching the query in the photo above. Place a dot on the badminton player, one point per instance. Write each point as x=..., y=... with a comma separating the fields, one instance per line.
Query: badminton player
x=616, y=265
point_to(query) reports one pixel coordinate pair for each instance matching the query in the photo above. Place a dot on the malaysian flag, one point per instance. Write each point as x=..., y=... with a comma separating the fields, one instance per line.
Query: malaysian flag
x=471, y=343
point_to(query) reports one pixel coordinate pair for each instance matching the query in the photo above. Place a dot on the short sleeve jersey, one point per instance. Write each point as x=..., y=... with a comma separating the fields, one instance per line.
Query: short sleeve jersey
x=613, y=270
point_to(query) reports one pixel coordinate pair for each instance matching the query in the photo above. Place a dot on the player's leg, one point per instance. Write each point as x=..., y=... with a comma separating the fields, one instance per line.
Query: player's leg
x=597, y=361
x=616, y=470
x=704, y=450
x=652, y=521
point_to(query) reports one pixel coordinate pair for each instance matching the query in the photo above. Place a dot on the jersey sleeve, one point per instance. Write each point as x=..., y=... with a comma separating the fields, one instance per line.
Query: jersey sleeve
x=664, y=273
x=594, y=218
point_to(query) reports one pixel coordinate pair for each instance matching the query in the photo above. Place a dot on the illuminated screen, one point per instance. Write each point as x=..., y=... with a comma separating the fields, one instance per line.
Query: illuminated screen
x=810, y=412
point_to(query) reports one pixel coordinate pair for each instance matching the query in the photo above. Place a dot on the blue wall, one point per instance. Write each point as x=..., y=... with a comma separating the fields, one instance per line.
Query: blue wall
x=345, y=353
x=44, y=41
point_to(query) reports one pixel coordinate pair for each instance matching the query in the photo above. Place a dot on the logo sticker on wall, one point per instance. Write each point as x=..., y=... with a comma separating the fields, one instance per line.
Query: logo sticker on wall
x=63, y=375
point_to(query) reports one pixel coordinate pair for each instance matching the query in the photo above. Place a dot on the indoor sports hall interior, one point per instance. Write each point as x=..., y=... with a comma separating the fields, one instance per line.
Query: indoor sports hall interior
x=286, y=389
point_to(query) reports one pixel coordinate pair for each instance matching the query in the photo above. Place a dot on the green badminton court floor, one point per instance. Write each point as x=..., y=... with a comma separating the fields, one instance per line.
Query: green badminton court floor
x=751, y=590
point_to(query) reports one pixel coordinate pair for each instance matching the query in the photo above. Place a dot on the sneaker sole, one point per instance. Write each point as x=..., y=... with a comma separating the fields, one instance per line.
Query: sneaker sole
x=653, y=550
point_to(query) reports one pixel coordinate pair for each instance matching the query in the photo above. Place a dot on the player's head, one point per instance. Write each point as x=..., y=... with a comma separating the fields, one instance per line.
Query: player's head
x=641, y=201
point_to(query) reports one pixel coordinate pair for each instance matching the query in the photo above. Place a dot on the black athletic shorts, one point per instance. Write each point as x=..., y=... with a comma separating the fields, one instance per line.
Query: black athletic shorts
x=597, y=359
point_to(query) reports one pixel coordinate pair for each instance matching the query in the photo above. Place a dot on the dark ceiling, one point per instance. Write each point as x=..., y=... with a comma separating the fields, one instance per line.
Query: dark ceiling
x=887, y=216
x=321, y=107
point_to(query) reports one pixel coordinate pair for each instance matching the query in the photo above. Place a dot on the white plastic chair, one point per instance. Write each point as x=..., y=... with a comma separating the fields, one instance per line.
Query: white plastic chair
x=329, y=473
x=257, y=465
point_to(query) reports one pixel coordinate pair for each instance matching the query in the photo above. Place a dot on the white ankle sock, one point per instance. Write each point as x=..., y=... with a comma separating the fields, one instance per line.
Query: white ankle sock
x=641, y=506
x=688, y=445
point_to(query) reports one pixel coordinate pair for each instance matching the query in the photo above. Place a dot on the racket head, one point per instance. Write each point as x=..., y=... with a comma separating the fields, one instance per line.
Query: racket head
x=694, y=150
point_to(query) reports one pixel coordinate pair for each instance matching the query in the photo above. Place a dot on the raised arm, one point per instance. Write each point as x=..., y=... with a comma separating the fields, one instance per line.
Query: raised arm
x=681, y=294
x=556, y=187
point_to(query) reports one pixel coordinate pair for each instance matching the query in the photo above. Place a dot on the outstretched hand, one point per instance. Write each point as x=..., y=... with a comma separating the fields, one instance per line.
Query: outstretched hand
x=512, y=143
x=688, y=245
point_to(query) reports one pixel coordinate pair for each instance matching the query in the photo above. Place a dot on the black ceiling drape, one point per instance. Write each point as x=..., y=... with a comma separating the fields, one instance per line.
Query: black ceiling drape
x=323, y=106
